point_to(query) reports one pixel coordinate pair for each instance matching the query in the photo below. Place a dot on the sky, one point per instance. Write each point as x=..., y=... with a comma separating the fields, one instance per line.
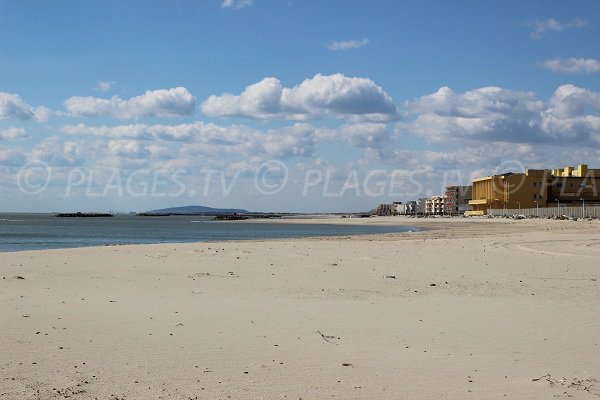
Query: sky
x=275, y=105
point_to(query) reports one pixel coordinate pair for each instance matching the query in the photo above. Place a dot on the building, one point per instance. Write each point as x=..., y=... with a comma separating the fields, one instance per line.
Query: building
x=385, y=209
x=571, y=186
x=457, y=199
x=406, y=209
x=421, y=206
x=400, y=209
x=535, y=188
x=411, y=207
x=435, y=205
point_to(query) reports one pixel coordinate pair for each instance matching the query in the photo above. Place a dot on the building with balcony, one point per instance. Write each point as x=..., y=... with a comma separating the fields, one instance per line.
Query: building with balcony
x=435, y=205
x=457, y=199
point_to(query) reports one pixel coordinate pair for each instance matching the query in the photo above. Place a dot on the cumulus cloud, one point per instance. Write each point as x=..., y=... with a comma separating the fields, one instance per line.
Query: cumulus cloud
x=490, y=113
x=13, y=107
x=570, y=114
x=154, y=103
x=498, y=114
x=323, y=95
x=56, y=151
x=347, y=44
x=369, y=135
x=572, y=65
x=570, y=101
x=236, y=4
x=482, y=102
x=541, y=27
x=477, y=130
x=208, y=139
x=294, y=141
x=127, y=148
x=12, y=133
x=297, y=140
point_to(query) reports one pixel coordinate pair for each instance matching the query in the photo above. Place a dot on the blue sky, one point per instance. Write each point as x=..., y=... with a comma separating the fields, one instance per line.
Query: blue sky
x=336, y=99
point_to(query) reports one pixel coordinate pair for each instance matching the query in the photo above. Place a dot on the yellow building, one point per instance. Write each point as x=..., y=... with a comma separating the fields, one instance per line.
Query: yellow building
x=571, y=186
x=535, y=188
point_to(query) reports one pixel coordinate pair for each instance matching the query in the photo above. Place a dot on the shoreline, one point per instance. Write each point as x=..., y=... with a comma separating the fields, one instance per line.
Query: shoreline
x=331, y=221
x=420, y=225
x=466, y=309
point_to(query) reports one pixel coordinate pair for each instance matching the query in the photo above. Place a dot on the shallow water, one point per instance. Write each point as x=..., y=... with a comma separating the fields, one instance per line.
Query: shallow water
x=45, y=231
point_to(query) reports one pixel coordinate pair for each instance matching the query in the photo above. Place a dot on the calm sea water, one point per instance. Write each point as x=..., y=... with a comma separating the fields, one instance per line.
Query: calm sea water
x=44, y=231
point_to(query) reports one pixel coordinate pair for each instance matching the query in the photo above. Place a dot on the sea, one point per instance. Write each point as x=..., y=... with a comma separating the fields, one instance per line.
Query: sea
x=20, y=232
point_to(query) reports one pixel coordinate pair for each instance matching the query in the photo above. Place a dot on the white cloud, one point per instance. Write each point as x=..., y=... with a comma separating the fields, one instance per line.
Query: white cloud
x=236, y=4
x=12, y=133
x=570, y=101
x=297, y=140
x=193, y=132
x=369, y=135
x=504, y=115
x=294, y=141
x=540, y=27
x=139, y=131
x=154, y=103
x=42, y=114
x=572, y=65
x=482, y=102
x=347, y=44
x=127, y=148
x=10, y=156
x=323, y=95
x=488, y=113
x=569, y=114
x=104, y=86
x=207, y=139
x=13, y=107
x=477, y=130
x=56, y=151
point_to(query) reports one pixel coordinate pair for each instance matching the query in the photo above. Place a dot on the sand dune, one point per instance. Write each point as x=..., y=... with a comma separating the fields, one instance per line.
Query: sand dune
x=466, y=308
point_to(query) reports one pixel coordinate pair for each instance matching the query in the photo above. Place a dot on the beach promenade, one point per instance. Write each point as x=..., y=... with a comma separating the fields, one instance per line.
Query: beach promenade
x=462, y=309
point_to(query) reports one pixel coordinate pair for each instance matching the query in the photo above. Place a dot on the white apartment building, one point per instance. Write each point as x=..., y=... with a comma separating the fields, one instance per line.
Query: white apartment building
x=435, y=205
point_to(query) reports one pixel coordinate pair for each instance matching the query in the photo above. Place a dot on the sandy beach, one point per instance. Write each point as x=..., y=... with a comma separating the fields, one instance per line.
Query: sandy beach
x=465, y=308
